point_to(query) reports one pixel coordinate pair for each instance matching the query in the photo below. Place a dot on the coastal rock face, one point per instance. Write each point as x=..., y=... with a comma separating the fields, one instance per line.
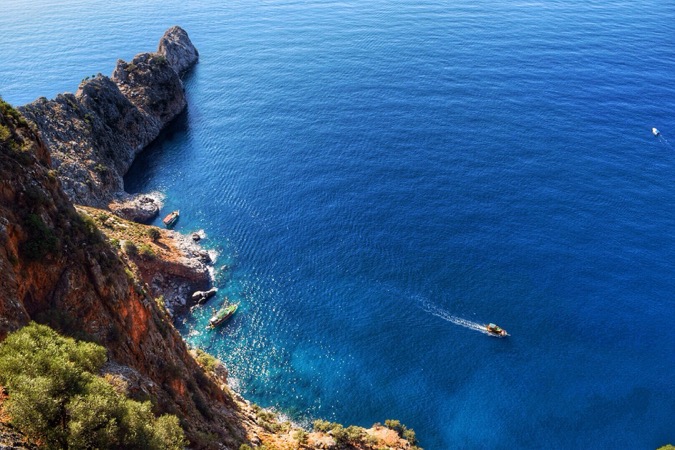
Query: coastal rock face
x=151, y=84
x=176, y=46
x=171, y=264
x=57, y=268
x=94, y=134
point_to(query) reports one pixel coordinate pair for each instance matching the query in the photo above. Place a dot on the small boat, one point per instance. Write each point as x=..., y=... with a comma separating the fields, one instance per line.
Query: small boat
x=495, y=330
x=171, y=219
x=222, y=315
x=656, y=132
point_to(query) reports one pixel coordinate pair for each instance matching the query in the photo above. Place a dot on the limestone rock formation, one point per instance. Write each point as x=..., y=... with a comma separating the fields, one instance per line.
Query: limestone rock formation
x=57, y=266
x=141, y=208
x=200, y=297
x=176, y=46
x=94, y=134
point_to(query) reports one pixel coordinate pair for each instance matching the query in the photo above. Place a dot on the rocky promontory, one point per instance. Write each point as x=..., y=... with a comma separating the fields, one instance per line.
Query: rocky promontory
x=94, y=135
x=91, y=275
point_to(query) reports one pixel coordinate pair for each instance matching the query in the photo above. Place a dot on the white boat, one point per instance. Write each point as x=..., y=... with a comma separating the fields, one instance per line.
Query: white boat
x=656, y=132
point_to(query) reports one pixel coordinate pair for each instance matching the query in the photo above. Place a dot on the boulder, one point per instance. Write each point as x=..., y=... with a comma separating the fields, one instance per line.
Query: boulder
x=200, y=297
x=140, y=208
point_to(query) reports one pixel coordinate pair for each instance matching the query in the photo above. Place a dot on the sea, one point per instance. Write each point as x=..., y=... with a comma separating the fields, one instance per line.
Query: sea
x=379, y=179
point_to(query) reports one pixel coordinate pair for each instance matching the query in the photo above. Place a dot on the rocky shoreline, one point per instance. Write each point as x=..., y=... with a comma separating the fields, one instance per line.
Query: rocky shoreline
x=90, y=273
x=94, y=136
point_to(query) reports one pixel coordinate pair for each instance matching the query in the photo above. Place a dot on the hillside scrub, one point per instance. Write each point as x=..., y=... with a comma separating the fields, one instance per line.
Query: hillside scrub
x=56, y=398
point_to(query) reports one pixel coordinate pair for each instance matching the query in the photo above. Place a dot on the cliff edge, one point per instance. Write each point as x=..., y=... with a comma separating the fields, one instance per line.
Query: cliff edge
x=94, y=135
x=58, y=268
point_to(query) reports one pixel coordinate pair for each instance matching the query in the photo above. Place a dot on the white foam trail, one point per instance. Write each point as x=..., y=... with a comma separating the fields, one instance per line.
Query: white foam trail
x=665, y=141
x=445, y=315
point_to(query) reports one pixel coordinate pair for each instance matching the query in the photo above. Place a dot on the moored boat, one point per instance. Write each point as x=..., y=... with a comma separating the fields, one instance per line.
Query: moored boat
x=496, y=330
x=171, y=218
x=222, y=315
x=656, y=132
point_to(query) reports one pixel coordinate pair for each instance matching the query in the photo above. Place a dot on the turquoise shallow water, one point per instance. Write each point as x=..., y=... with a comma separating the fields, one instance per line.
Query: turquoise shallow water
x=378, y=177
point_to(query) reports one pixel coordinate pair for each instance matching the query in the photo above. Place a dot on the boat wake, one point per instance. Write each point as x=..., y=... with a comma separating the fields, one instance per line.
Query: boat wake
x=661, y=138
x=664, y=141
x=445, y=315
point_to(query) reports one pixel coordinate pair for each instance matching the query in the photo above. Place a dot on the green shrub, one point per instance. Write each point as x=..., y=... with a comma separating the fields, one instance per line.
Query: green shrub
x=5, y=134
x=130, y=248
x=300, y=436
x=355, y=434
x=146, y=251
x=406, y=433
x=88, y=224
x=208, y=362
x=323, y=426
x=153, y=233
x=394, y=425
x=409, y=435
x=41, y=239
x=56, y=398
x=339, y=434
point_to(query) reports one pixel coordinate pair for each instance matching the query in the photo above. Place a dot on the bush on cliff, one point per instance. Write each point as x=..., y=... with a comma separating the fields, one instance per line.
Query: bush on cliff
x=406, y=433
x=153, y=233
x=41, y=239
x=55, y=397
x=130, y=248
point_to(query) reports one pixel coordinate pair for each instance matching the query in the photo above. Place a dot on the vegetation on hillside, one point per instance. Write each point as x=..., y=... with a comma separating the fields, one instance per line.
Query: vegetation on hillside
x=57, y=399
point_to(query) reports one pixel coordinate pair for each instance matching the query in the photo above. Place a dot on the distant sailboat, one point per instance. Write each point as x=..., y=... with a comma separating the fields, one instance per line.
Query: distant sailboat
x=656, y=132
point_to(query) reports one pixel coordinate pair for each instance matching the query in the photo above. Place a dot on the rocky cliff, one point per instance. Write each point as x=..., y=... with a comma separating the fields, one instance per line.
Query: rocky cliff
x=94, y=134
x=57, y=267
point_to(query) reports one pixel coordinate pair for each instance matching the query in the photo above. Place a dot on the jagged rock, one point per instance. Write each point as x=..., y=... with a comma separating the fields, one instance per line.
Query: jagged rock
x=204, y=257
x=176, y=46
x=70, y=276
x=94, y=135
x=141, y=208
x=196, y=237
x=151, y=84
x=200, y=297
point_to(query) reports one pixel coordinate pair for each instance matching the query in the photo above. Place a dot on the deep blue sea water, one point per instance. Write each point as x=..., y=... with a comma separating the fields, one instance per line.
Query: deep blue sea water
x=379, y=177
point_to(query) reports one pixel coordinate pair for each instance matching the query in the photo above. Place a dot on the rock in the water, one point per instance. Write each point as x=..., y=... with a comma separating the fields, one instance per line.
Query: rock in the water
x=140, y=208
x=196, y=237
x=200, y=297
x=177, y=48
x=204, y=257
